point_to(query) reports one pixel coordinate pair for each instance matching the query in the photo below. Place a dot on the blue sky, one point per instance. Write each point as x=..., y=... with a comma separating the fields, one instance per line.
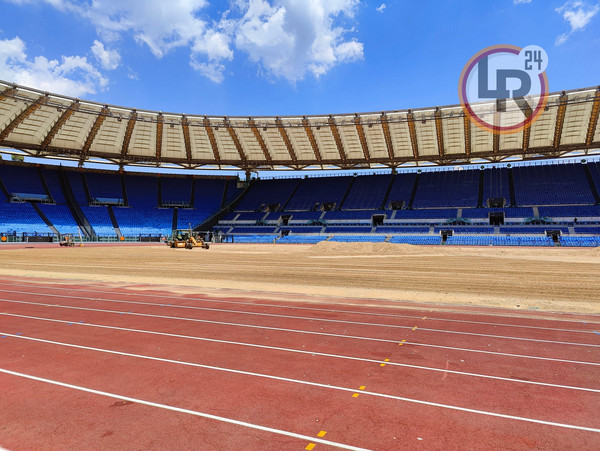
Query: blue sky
x=278, y=57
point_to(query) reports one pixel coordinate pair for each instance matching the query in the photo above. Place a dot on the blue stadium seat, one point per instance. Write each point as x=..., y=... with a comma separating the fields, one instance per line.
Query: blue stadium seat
x=301, y=239
x=367, y=192
x=318, y=190
x=552, y=185
x=580, y=241
x=417, y=239
x=447, y=189
x=358, y=238
x=265, y=192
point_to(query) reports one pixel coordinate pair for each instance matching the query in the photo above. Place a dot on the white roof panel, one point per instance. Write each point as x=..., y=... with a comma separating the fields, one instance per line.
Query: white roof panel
x=27, y=132
x=143, y=137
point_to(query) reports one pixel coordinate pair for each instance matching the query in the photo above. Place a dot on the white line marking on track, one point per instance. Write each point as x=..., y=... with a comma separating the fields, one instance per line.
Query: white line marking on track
x=293, y=330
x=504, y=354
x=181, y=410
x=381, y=395
x=294, y=307
x=418, y=367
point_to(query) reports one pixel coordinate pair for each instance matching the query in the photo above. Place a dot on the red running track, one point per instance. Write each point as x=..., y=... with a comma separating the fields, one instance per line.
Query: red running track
x=96, y=367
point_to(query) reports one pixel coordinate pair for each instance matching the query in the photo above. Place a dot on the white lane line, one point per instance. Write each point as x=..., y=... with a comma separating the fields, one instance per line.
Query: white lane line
x=404, y=365
x=318, y=309
x=245, y=312
x=182, y=410
x=293, y=330
x=191, y=337
x=380, y=395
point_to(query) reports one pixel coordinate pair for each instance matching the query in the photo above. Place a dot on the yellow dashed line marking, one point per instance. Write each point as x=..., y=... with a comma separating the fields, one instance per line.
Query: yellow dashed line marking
x=355, y=395
x=311, y=445
x=400, y=344
x=383, y=364
x=414, y=328
x=424, y=317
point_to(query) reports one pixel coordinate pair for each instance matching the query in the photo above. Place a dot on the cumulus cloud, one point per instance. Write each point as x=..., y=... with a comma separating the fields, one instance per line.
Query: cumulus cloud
x=72, y=75
x=291, y=38
x=161, y=26
x=108, y=59
x=286, y=38
x=578, y=14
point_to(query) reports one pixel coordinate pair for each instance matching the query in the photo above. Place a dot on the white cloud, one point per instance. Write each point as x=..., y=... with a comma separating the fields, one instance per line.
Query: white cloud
x=212, y=71
x=160, y=25
x=578, y=14
x=286, y=38
x=293, y=37
x=383, y=6
x=561, y=38
x=214, y=44
x=109, y=59
x=518, y=2
x=132, y=75
x=72, y=75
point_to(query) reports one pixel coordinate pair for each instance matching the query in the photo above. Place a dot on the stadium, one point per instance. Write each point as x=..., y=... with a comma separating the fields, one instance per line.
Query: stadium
x=494, y=204
x=396, y=279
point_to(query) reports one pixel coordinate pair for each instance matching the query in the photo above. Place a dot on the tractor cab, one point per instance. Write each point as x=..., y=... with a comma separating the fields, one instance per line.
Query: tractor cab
x=186, y=238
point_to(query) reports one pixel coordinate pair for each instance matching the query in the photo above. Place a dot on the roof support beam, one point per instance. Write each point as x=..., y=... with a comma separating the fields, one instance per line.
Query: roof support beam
x=496, y=143
x=413, y=134
x=362, y=137
x=185, y=125
x=212, y=140
x=236, y=141
x=59, y=123
x=500, y=108
x=467, y=128
x=261, y=141
x=311, y=138
x=159, y=135
x=560, y=120
x=93, y=132
x=496, y=137
x=128, y=133
x=338, y=140
x=22, y=116
x=527, y=131
x=439, y=131
x=387, y=135
x=589, y=138
x=8, y=92
x=286, y=139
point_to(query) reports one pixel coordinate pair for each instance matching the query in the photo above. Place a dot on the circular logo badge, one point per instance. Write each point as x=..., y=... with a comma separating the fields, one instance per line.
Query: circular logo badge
x=503, y=88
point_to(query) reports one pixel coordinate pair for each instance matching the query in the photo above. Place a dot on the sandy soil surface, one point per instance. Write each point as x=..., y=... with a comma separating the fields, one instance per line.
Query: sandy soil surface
x=554, y=279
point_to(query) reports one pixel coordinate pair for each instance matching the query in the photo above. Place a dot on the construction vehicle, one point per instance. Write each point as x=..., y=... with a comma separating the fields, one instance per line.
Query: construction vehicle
x=186, y=238
x=67, y=240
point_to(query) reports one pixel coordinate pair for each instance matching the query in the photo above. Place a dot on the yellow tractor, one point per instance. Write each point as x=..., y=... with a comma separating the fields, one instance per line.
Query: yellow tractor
x=67, y=240
x=185, y=238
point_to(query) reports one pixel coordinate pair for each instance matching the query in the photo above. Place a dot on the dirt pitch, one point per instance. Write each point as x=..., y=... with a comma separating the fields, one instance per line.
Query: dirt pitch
x=552, y=279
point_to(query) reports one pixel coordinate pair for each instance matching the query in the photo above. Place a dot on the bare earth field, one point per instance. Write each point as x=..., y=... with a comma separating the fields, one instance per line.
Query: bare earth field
x=271, y=347
x=553, y=279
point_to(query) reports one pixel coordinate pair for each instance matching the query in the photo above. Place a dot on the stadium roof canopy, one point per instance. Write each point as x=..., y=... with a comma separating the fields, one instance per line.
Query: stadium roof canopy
x=49, y=125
